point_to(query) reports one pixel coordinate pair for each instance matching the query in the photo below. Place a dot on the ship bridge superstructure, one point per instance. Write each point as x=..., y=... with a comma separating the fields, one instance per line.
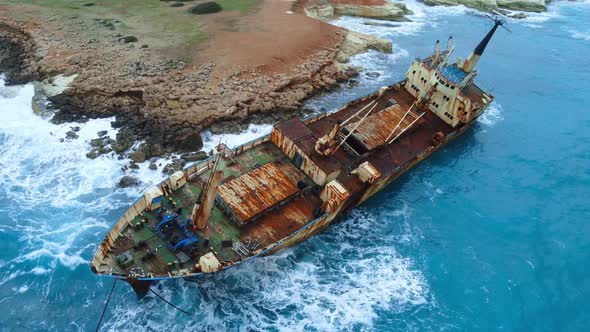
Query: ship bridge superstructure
x=448, y=88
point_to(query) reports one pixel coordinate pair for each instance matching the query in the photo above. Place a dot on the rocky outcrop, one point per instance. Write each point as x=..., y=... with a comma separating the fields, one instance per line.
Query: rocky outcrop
x=128, y=181
x=355, y=43
x=160, y=101
x=492, y=5
x=524, y=5
x=393, y=11
x=18, y=60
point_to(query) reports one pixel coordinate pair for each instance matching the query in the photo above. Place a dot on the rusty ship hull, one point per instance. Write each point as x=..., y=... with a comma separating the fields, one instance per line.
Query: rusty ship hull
x=278, y=190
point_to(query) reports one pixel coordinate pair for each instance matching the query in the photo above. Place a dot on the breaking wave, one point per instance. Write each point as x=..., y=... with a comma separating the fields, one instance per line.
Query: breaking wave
x=580, y=35
x=233, y=140
x=492, y=115
x=423, y=16
x=53, y=190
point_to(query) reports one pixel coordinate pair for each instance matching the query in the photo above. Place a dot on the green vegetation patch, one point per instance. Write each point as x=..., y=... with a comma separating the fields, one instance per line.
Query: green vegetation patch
x=243, y=6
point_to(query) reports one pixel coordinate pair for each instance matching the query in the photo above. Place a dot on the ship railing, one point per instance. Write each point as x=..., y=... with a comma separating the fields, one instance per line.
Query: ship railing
x=251, y=144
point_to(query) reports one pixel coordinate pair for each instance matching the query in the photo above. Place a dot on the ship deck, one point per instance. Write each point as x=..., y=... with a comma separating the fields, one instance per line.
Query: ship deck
x=151, y=252
x=253, y=221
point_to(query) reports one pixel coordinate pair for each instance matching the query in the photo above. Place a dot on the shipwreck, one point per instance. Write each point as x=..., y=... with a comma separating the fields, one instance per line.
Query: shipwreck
x=278, y=190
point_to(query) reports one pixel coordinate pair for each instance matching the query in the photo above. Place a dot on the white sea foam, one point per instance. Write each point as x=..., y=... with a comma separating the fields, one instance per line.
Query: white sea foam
x=580, y=35
x=423, y=17
x=46, y=177
x=233, y=140
x=492, y=115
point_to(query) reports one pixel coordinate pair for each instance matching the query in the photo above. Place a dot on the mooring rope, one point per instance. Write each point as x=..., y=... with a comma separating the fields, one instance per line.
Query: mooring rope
x=169, y=303
x=106, y=305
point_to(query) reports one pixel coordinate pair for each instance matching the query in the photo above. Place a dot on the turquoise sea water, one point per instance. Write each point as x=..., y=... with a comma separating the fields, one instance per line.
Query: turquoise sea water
x=491, y=233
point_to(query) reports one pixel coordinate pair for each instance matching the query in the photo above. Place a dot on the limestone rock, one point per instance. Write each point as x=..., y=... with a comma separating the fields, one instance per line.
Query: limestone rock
x=485, y=5
x=536, y=6
x=393, y=11
x=356, y=43
x=492, y=5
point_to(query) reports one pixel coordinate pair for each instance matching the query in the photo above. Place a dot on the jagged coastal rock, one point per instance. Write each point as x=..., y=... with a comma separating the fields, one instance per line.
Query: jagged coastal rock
x=393, y=11
x=355, y=43
x=492, y=5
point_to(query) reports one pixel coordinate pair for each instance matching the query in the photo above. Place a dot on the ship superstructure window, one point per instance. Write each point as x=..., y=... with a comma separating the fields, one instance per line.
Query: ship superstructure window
x=448, y=115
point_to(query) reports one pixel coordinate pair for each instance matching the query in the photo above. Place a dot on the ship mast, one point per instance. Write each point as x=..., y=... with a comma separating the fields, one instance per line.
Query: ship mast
x=204, y=204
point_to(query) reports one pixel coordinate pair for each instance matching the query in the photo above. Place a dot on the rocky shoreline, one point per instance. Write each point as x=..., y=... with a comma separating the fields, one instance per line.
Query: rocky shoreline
x=162, y=103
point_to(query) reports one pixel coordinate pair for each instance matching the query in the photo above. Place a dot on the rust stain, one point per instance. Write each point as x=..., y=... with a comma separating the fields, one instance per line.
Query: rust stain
x=378, y=126
x=256, y=191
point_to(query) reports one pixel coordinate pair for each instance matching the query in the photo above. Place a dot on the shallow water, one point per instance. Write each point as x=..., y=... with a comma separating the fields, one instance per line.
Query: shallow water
x=489, y=233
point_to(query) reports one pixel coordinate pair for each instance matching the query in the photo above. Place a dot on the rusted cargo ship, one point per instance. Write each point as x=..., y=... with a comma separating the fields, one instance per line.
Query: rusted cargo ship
x=279, y=190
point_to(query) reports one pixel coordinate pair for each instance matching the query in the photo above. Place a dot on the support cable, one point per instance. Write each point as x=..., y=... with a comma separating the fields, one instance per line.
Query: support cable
x=168, y=302
x=106, y=305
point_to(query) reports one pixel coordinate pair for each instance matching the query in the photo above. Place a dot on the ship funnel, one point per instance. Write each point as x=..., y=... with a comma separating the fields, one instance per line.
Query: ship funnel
x=473, y=58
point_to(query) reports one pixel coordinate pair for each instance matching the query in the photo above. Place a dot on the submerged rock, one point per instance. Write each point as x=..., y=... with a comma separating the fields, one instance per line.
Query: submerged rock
x=518, y=16
x=128, y=181
x=382, y=24
x=71, y=135
x=175, y=165
x=195, y=156
x=189, y=140
x=137, y=156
